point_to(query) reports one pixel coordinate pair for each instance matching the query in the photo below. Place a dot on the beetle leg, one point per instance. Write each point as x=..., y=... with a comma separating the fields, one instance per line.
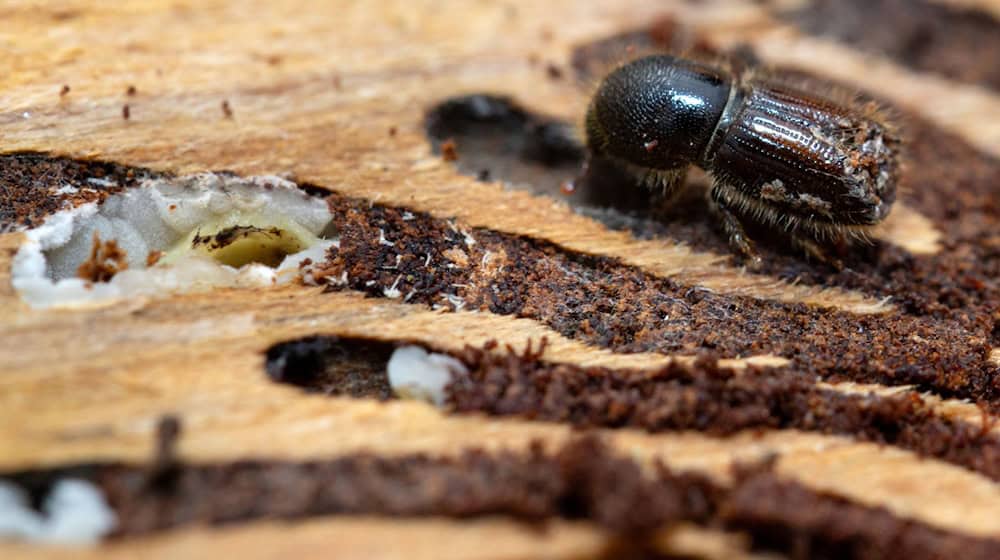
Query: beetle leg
x=815, y=251
x=667, y=182
x=733, y=226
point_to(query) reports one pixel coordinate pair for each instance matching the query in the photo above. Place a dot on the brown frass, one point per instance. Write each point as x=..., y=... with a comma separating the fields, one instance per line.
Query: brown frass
x=718, y=401
x=697, y=396
x=105, y=261
x=582, y=480
x=29, y=181
x=604, y=302
x=785, y=516
x=232, y=234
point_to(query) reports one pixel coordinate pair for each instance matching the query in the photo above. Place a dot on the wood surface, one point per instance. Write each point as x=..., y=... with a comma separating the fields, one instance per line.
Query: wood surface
x=315, y=90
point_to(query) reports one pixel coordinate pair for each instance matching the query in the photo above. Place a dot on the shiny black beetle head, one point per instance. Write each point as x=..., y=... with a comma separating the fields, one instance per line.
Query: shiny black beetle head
x=657, y=112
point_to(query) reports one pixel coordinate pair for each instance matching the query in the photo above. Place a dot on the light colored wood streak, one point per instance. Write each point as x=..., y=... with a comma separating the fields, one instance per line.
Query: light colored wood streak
x=289, y=117
x=378, y=538
x=995, y=356
x=688, y=541
x=104, y=381
x=89, y=385
x=348, y=538
x=215, y=383
x=222, y=316
x=909, y=229
x=237, y=415
x=903, y=484
x=81, y=374
x=953, y=409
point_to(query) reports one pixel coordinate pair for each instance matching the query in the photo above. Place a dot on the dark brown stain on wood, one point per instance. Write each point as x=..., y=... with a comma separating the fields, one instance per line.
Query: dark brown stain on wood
x=603, y=302
x=700, y=396
x=582, y=480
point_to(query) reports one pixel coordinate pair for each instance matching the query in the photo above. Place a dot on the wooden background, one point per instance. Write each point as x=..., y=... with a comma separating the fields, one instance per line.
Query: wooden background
x=315, y=90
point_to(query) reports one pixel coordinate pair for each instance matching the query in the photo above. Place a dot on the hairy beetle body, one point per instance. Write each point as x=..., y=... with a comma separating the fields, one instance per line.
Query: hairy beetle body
x=779, y=155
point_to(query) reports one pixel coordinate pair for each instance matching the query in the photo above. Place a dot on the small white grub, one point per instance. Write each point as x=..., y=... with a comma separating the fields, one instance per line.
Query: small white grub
x=74, y=512
x=212, y=230
x=415, y=374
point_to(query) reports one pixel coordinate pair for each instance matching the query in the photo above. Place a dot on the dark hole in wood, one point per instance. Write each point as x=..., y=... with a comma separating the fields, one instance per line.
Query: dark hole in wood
x=328, y=365
x=582, y=479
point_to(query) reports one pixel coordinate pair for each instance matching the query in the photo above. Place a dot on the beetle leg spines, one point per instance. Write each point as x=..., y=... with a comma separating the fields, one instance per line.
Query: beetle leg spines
x=655, y=180
x=732, y=225
x=815, y=251
x=733, y=209
x=666, y=182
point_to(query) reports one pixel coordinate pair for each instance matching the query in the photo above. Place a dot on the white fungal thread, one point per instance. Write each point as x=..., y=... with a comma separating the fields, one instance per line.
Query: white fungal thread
x=175, y=219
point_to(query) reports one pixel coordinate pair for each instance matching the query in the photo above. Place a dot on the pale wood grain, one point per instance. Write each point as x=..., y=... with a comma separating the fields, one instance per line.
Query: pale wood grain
x=90, y=384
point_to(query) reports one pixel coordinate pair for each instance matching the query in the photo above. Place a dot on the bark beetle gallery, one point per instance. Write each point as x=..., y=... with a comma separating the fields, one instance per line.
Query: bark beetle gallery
x=612, y=380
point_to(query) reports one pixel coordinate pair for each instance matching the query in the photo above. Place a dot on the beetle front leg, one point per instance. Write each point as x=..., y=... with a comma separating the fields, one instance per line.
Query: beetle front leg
x=815, y=251
x=733, y=226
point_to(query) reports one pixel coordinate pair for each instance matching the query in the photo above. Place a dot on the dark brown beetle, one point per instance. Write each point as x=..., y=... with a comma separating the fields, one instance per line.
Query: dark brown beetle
x=781, y=156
